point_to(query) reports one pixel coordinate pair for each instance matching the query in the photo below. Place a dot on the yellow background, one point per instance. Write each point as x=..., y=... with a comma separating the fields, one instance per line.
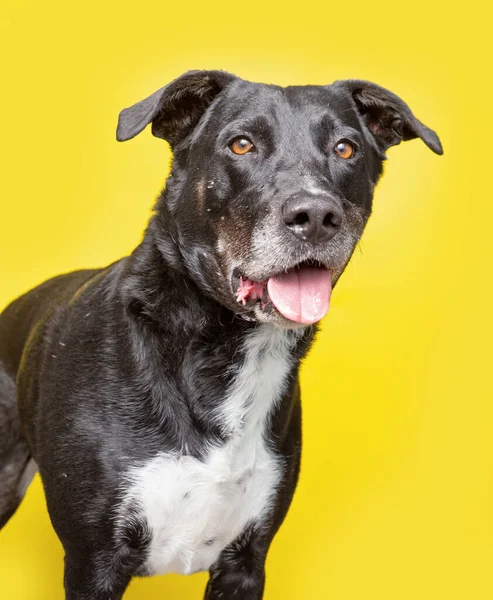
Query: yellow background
x=396, y=495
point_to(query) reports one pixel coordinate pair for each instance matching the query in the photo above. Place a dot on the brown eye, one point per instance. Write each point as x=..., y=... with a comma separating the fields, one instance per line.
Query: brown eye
x=241, y=145
x=345, y=150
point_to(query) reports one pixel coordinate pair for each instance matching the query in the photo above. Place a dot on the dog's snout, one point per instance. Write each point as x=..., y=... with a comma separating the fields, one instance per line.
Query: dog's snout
x=313, y=219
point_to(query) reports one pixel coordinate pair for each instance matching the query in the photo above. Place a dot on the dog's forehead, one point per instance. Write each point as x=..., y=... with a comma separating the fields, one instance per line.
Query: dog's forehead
x=247, y=98
x=318, y=95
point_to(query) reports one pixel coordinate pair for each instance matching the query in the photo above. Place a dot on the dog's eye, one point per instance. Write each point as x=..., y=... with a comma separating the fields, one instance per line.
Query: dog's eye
x=345, y=149
x=241, y=145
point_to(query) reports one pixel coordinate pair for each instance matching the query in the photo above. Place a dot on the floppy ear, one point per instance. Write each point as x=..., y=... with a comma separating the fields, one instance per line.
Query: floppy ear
x=175, y=109
x=387, y=117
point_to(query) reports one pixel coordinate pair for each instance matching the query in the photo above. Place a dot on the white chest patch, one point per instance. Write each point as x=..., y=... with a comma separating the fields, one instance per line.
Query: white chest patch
x=195, y=508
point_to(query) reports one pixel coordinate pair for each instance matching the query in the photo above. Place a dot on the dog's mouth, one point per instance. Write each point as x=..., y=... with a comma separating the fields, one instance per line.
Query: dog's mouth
x=300, y=294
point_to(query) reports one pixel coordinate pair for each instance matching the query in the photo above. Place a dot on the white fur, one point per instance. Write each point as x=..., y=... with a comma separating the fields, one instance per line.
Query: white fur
x=195, y=508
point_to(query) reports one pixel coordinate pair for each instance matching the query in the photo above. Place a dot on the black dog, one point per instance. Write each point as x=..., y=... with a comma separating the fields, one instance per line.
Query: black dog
x=159, y=397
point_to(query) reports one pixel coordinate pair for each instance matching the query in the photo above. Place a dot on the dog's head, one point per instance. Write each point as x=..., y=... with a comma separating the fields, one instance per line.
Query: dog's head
x=271, y=187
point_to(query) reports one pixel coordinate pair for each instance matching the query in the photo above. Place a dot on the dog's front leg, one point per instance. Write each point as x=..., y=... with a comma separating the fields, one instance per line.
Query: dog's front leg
x=94, y=580
x=238, y=584
x=240, y=572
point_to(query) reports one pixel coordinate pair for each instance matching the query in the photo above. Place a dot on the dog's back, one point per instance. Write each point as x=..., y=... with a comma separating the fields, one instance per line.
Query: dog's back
x=17, y=323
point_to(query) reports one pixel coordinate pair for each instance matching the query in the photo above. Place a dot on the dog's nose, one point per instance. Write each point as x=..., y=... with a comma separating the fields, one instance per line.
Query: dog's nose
x=313, y=220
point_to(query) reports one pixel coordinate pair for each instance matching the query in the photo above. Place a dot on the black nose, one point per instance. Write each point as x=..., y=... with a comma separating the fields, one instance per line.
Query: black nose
x=314, y=220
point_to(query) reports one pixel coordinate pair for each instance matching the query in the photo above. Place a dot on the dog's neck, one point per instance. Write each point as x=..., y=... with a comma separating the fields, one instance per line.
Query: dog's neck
x=189, y=347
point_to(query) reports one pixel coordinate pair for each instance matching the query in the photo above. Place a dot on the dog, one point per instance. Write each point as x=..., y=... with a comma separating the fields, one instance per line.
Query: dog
x=158, y=397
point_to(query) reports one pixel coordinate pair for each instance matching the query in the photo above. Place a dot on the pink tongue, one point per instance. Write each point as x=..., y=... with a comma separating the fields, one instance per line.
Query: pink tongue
x=301, y=295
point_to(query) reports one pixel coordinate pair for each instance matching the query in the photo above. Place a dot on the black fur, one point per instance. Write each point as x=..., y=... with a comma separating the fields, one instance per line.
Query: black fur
x=119, y=363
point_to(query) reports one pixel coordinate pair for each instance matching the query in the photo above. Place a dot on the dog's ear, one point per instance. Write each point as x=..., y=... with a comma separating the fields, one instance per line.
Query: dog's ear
x=175, y=109
x=387, y=117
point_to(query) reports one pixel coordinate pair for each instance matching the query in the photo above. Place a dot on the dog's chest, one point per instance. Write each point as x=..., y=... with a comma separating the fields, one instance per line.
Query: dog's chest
x=196, y=508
